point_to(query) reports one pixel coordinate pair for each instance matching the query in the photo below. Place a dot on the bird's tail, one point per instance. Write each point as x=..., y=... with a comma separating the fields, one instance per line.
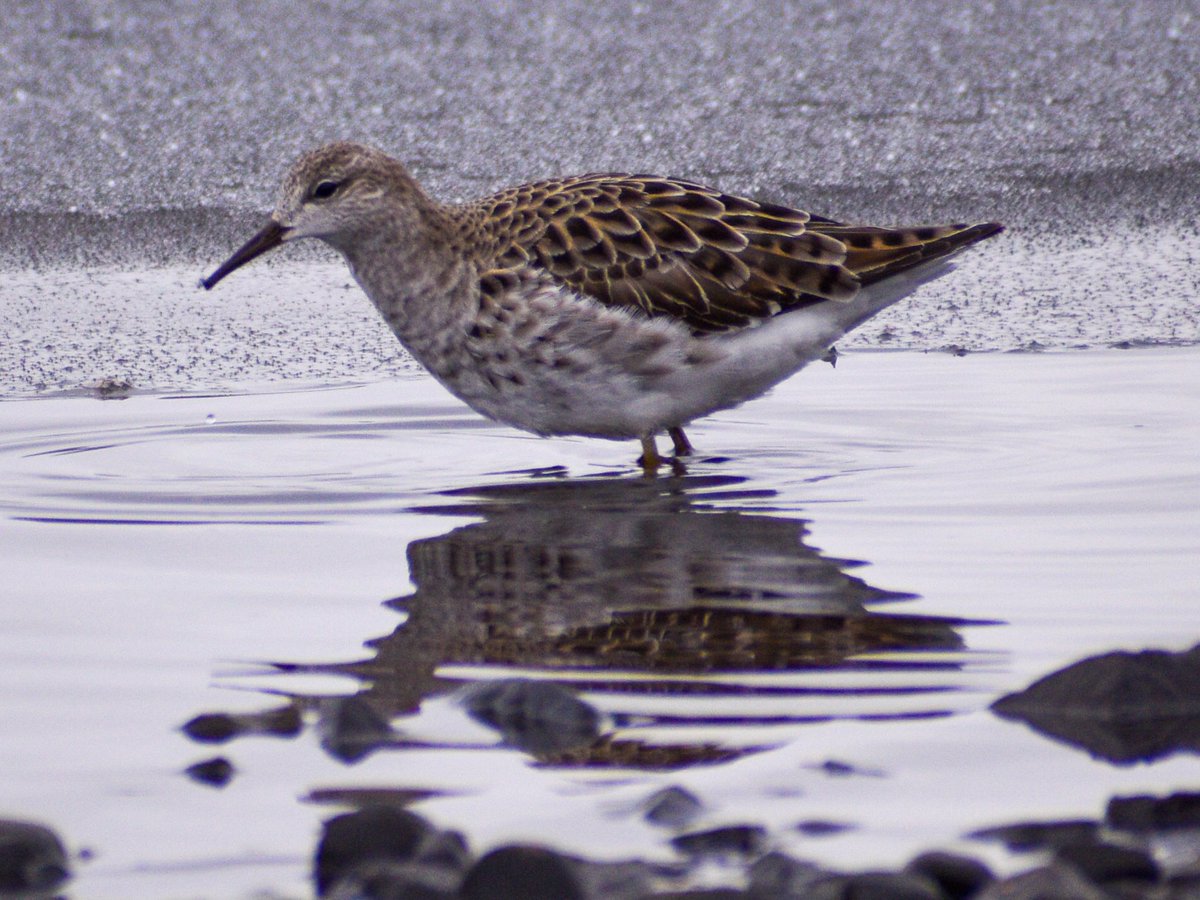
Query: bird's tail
x=891, y=263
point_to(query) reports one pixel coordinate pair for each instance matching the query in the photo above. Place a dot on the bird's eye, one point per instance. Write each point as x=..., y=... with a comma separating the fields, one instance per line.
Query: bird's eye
x=325, y=189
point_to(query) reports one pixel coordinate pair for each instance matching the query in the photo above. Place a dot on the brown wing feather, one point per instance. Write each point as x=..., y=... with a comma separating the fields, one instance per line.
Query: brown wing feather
x=674, y=248
x=874, y=253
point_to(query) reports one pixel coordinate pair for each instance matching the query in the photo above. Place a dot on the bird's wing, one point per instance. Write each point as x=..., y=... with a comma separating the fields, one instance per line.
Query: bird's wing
x=714, y=261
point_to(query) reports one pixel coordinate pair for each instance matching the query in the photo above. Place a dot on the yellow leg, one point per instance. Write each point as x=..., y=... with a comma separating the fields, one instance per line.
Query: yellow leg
x=650, y=460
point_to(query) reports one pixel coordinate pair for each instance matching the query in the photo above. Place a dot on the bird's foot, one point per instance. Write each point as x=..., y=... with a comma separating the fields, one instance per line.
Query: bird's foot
x=651, y=462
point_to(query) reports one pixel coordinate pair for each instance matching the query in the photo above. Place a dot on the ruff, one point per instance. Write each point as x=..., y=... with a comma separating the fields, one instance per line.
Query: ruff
x=612, y=306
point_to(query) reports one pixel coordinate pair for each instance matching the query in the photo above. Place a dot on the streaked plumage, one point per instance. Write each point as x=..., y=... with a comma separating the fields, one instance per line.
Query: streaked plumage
x=615, y=306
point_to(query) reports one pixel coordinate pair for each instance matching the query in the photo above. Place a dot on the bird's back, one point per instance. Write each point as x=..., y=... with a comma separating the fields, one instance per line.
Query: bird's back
x=715, y=262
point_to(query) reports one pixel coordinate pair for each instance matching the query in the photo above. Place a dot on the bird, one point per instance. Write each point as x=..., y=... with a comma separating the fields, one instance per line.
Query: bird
x=604, y=305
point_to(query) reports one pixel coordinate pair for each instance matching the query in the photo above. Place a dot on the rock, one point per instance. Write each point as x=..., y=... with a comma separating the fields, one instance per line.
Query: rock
x=1045, y=883
x=1040, y=835
x=535, y=716
x=1122, y=707
x=435, y=872
x=730, y=840
x=889, y=886
x=32, y=858
x=370, y=836
x=212, y=728
x=216, y=772
x=110, y=388
x=958, y=876
x=777, y=875
x=1102, y=862
x=352, y=729
x=673, y=807
x=631, y=879
x=447, y=849
x=519, y=872
x=382, y=880
x=1147, y=813
x=217, y=728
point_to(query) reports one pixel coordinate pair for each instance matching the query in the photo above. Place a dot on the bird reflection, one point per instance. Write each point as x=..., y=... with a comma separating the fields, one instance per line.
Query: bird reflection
x=687, y=608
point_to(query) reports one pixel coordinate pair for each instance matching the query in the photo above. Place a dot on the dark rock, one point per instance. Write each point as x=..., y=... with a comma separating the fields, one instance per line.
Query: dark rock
x=376, y=834
x=524, y=873
x=217, y=728
x=32, y=858
x=534, y=716
x=1122, y=707
x=352, y=729
x=447, y=849
x=212, y=728
x=284, y=721
x=889, y=886
x=730, y=840
x=957, y=876
x=110, y=388
x=1147, y=813
x=673, y=807
x=1186, y=887
x=435, y=870
x=380, y=880
x=216, y=772
x=861, y=886
x=1045, y=883
x=1040, y=835
x=1101, y=862
x=777, y=875
x=615, y=880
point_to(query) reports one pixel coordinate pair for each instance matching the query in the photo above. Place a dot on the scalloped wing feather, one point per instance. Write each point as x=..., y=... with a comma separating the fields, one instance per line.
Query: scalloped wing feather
x=714, y=261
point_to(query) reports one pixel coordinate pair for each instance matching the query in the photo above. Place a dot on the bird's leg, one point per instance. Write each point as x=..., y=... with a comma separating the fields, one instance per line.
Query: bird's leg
x=649, y=460
x=683, y=447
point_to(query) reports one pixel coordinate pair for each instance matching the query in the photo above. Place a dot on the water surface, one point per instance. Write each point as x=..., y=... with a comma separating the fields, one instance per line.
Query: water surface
x=859, y=565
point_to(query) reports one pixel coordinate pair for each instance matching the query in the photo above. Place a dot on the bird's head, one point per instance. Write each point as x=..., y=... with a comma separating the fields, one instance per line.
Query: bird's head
x=334, y=193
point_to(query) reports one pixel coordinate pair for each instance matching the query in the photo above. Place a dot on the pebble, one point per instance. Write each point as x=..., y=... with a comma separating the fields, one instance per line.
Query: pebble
x=32, y=858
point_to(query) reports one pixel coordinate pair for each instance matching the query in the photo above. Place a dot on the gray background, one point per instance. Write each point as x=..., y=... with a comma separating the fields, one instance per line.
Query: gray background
x=155, y=132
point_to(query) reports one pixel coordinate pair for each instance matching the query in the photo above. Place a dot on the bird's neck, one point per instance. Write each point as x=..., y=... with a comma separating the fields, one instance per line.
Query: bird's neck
x=417, y=276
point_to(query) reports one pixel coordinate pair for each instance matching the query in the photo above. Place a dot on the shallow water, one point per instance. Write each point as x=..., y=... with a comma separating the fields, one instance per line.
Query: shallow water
x=161, y=552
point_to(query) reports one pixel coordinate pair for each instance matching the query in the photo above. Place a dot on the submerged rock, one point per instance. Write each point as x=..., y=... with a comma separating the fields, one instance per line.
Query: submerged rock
x=1044, y=883
x=352, y=729
x=367, y=838
x=1122, y=707
x=217, y=728
x=729, y=840
x=958, y=876
x=539, y=717
x=673, y=807
x=1101, y=862
x=216, y=772
x=524, y=873
x=32, y=859
x=1023, y=836
x=779, y=875
x=1147, y=813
